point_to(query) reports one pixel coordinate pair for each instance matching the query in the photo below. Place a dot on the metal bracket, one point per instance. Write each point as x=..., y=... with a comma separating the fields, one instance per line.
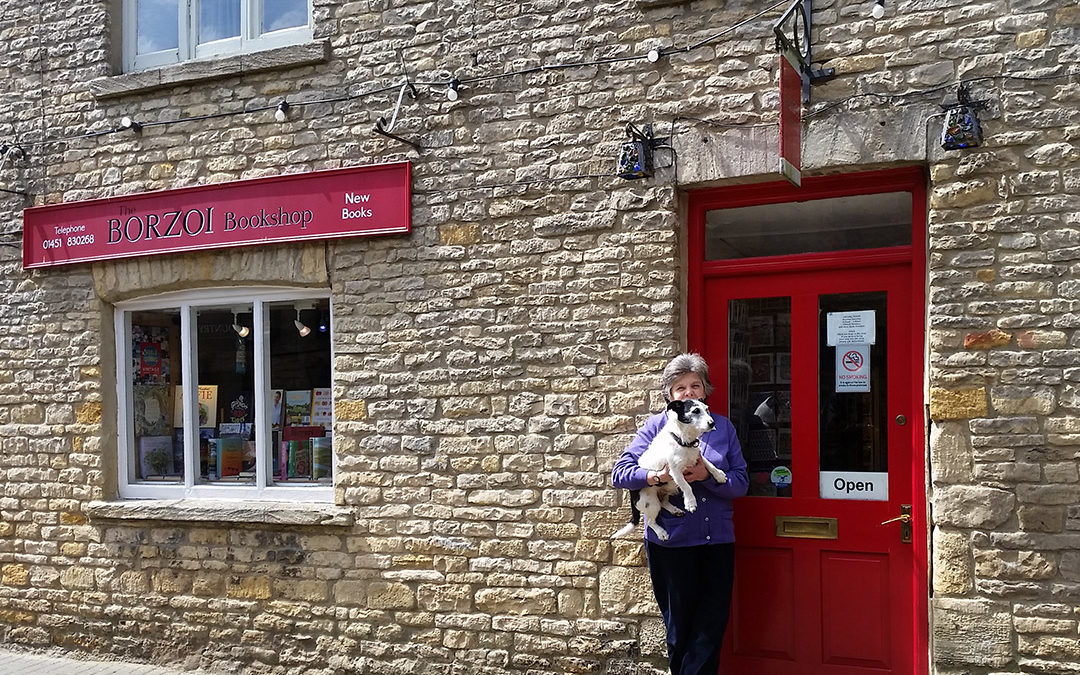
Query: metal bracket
x=963, y=98
x=384, y=129
x=792, y=32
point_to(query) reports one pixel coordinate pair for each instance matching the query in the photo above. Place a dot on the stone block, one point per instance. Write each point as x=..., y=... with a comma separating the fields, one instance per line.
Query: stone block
x=968, y=506
x=390, y=595
x=248, y=588
x=951, y=563
x=516, y=601
x=626, y=590
x=1035, y=518
x=970, y=633
x=950, y=454
x=1019, y=565
x=987, y=339
x=78, y=578
x=88, y=413
x=946, y=404
x=14, y=574
x=1011, y=400
x=445, y=597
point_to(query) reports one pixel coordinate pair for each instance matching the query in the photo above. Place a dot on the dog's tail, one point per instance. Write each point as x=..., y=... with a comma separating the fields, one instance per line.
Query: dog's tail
x=635, y=516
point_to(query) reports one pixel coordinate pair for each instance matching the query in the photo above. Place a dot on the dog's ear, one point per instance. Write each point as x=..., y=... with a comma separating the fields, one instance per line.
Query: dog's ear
x=678, y=406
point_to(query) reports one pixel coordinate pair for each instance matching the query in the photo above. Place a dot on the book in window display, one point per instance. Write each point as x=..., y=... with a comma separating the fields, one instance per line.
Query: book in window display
x=230, y=456
x=240, y=408
x=321, y=458
x=150, y=354
x=322, y=407
x=156, y=457
x=208, y=397
x=297, y=407
x=295, y=452
x=277, y=398
x=150, y=406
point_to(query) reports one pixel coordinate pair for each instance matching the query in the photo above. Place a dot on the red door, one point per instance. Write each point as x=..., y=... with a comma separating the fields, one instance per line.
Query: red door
x=820, y=356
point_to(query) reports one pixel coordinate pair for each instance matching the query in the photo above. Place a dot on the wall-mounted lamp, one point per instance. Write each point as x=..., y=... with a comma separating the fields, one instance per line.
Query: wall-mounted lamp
x=962, y=128
x=878, y=10
x=636, y=155
x=128, y=123
x=300, y=327
x=242, y=331
x=282, y=112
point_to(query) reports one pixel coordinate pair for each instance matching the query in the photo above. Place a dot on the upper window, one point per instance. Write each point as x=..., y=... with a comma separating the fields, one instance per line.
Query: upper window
x=160, y=32
x=225, y=394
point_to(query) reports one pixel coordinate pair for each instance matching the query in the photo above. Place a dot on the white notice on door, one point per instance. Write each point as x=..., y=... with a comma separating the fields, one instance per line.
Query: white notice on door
x=867, y=486
x=852, y=368
x=850, y=328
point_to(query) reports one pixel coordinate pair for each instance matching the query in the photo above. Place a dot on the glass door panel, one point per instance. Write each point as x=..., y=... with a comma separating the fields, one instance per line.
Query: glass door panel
x=759, y=389
x=852, y=396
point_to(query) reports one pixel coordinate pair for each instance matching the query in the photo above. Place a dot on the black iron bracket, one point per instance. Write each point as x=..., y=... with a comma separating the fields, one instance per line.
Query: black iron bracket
x=385, y=129
x=963, y=98
x=792, y=31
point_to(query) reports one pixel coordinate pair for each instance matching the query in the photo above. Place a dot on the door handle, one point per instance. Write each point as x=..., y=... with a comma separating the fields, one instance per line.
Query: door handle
x=905, y=520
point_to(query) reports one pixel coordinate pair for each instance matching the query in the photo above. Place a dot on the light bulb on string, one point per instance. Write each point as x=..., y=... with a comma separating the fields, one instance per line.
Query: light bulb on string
x=452, y=93
x=282, y=112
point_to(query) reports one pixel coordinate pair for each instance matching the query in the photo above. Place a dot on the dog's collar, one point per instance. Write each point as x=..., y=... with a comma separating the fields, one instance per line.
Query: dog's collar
x=691, y=444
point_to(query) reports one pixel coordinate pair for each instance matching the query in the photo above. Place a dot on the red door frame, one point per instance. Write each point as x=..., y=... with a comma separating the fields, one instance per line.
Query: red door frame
x=910, y=179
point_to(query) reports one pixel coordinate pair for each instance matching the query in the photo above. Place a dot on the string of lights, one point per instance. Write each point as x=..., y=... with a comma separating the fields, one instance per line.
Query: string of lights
x=451, y=84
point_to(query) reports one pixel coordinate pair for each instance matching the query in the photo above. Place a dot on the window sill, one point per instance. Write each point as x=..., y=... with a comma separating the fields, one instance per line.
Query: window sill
x=222, y=511
x=210, y=69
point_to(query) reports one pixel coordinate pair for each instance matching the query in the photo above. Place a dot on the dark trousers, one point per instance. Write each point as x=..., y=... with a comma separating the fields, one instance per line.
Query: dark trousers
x=693, y=588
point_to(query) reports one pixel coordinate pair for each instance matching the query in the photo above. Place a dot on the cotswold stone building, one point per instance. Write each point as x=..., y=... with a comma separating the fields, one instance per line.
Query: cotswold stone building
x=324, y=321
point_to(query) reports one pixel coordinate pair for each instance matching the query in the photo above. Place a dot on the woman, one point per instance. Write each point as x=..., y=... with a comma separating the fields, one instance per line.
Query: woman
x=692, y=571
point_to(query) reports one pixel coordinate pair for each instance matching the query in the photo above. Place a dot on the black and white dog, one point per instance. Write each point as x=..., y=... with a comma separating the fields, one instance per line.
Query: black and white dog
x=676, y=447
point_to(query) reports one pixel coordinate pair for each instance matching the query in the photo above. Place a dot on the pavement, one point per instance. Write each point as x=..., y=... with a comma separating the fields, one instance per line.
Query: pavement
x=14, y=662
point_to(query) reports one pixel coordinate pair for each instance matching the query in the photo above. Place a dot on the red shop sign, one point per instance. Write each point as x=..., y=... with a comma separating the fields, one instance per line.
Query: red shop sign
x=360, y=201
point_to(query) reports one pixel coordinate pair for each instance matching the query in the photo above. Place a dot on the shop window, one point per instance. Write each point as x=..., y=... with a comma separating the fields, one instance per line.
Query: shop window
x=256, y=369
x=161, y=32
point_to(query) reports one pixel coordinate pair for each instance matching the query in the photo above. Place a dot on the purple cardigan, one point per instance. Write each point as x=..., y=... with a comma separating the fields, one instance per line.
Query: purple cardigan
x=711, y=523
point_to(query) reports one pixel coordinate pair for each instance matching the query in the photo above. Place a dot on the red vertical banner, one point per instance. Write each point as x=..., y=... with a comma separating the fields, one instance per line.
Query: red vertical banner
x=790, y=118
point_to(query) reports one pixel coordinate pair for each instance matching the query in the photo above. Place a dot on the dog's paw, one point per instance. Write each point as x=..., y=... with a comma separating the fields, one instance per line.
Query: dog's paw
x=662, y=535
x=676, y=511
x=691, y=506
x=721, y=477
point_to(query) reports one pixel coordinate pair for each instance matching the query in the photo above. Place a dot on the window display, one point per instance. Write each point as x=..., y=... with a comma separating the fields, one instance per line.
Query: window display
x=258, y=370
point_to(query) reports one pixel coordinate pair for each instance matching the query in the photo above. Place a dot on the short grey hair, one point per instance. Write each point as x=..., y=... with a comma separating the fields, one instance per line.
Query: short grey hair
x=681, y=365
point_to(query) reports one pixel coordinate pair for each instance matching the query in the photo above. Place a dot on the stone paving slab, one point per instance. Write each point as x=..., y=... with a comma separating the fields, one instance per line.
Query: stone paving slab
x=31, y=663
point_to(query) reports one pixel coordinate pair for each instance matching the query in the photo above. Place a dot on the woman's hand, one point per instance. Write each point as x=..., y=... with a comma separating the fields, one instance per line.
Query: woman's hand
x=696, y=472
x=661, y=476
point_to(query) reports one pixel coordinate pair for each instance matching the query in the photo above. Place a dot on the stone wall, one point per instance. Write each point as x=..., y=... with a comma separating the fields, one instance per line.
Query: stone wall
x=490, y=365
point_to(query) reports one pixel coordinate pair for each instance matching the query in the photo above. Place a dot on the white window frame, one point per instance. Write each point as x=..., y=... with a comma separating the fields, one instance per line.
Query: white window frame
x=188, y=303
x=250, y=39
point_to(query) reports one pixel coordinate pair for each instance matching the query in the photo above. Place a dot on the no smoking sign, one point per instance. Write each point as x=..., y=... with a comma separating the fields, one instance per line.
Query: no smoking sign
x=853, y=361
x=853, y=368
